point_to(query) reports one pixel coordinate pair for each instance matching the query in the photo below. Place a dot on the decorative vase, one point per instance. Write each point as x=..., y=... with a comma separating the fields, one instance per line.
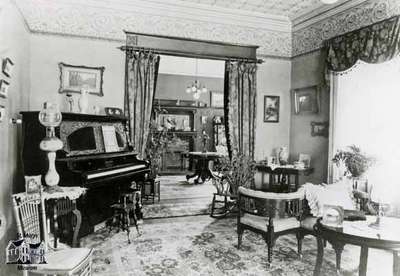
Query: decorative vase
x=283, y=155
x=83, y=101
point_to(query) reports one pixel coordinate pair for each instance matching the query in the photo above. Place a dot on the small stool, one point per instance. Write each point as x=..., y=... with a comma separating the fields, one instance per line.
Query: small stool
x=151, y=189
x=125, y=208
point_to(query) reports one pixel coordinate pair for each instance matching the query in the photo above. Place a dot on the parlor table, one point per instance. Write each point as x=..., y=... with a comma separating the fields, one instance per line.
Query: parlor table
x=359, y=233
x=202, y=171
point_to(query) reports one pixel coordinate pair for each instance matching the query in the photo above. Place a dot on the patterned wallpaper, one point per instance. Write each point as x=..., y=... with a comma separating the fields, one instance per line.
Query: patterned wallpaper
x=312, y=37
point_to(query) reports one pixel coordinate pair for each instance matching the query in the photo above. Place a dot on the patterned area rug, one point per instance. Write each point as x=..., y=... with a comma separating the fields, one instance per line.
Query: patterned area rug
x=180, y=198
x=201, y=245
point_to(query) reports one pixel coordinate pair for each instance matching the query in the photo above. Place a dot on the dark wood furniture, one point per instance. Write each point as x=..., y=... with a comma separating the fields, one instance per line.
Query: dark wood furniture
x=269, y=214
x=125, y=212
x=202, y=170
x=84, y=162
x=282, y=178
x=361, y=234
x=150, y=190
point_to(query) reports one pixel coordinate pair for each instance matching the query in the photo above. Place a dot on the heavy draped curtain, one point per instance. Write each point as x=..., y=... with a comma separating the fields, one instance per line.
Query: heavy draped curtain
x=141, y=72
x=240, y=107
x=375, y=43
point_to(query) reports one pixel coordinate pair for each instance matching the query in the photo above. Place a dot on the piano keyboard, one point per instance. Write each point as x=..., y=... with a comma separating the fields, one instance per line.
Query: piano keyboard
x=116, y=171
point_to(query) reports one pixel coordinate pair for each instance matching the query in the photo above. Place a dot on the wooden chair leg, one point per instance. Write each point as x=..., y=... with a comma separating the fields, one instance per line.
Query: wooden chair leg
x=213, y=206
x=270, y=239
x=240, y=231
x=300, y=238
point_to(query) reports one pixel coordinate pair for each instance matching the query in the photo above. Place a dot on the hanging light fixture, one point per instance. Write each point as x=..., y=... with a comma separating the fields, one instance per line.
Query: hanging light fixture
x=196, y=88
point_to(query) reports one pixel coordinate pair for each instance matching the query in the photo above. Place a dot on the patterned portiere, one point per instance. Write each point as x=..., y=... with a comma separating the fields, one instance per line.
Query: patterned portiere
x=141, y=77
x=376, y=43
x=240, y=107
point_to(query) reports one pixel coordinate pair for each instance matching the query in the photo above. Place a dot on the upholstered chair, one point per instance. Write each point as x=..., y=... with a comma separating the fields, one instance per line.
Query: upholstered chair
x=269, y=214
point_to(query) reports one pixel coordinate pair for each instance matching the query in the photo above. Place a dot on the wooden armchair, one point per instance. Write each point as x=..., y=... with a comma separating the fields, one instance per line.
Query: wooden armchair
x=269, y=214
x=31, y=223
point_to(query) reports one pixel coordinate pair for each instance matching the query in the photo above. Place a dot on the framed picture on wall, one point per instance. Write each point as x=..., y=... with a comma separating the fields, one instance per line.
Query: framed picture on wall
x=7, y=67
x=306, y=100
x=4, y=85
x=271, y=109
x=75, y=77
x=216, y=99
x=2, y=112
x=320, y=129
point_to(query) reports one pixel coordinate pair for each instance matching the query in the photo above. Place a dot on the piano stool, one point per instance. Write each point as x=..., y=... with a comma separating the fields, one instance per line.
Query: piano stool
x=151, y=189
x=123, y=210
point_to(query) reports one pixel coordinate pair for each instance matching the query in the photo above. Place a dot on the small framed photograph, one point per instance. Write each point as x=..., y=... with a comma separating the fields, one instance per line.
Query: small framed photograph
x=306, y=100
x=7, y=67
x=4, y=85
x=305, y=160
x=2, y=112
x=320, y=129
x=75, y=77
x=271, y=109
x=33, y=184
x=216, y=99
x=332, y=215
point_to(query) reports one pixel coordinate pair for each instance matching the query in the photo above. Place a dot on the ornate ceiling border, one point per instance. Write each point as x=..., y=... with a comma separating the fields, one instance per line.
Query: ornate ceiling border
x=64, y=18
x=311, y=38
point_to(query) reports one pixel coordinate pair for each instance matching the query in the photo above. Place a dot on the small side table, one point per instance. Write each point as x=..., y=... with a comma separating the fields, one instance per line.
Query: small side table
x=359, y=233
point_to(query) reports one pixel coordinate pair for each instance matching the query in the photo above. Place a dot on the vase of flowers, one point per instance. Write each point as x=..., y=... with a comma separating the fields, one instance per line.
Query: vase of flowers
x=355, y=161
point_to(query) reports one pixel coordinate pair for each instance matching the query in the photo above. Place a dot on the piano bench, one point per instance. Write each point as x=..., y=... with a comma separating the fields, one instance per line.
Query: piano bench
x=151, y=189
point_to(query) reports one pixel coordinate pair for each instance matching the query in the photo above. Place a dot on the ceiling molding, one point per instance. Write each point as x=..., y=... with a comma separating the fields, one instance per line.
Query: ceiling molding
x=313, y=36
x=66, y=18
x=323, y=13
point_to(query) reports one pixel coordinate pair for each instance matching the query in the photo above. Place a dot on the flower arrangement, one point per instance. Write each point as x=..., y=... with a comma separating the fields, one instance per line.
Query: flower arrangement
x=238, y=171
x=356, y=162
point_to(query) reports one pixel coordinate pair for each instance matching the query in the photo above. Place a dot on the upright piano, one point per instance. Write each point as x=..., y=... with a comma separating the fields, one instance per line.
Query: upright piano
x=86, y=160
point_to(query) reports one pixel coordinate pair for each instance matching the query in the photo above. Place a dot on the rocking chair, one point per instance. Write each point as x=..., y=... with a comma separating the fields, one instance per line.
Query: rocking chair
x=224, y=200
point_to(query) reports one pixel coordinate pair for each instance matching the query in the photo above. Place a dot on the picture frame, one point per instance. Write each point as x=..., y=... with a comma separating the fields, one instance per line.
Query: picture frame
x=7, y=67
x=4, y=85
x=174, y=122
x=271, y=109
x=332, y=215
x=306, y=100
x=2, y=112
x=75, y=77
x=305, y=159
x=33, y=183
x=320, y=129
x=217, y=99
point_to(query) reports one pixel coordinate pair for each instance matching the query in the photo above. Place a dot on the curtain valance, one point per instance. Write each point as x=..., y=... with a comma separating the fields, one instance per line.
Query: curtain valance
x=375, y=43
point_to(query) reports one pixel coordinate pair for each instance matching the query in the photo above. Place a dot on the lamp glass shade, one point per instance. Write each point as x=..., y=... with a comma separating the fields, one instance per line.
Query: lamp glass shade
x=50, y=115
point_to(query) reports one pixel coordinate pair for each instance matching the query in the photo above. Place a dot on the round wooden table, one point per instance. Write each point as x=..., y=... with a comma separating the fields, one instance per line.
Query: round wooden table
x=359, y=233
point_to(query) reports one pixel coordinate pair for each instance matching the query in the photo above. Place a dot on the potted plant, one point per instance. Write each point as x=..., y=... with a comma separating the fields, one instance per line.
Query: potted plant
x=238, y=171
x=355, y=161
x=156, y=145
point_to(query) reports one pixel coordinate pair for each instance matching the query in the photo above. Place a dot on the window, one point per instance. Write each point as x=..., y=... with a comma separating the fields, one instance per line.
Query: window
x=367, y=114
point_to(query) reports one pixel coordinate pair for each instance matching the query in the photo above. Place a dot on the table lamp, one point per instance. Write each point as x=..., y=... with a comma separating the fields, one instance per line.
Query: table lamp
x=50, y=117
